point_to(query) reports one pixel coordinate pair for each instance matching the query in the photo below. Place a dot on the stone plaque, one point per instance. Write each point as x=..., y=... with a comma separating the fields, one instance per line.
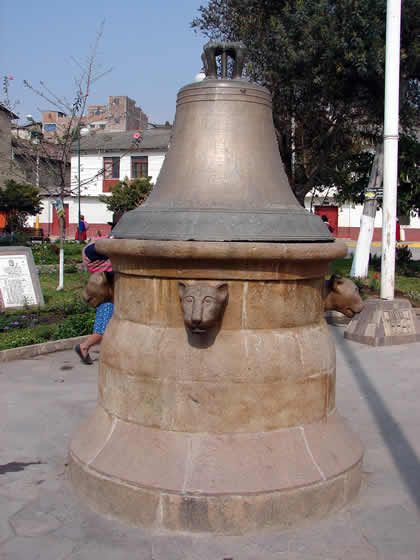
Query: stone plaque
x=19, y=283
x=384, y=322
x=398, y=322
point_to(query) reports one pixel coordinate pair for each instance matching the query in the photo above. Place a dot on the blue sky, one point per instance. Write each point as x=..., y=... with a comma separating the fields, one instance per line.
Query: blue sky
x=149, y=45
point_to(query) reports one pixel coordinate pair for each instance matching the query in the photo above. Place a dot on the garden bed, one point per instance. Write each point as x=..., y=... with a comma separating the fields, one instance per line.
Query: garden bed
x=64, y=315
x=407, y=284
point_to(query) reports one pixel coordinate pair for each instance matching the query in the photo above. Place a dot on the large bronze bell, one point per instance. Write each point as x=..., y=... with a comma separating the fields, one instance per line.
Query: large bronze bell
x=216, y=398
x=223, y=178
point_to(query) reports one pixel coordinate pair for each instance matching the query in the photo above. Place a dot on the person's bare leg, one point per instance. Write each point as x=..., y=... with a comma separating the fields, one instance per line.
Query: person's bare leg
x=92, y=340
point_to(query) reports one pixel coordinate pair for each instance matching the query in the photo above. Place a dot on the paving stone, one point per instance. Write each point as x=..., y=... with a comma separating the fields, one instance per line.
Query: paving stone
x=382, y=523
x=328, y=538
x=174, y=547
x=24, y=490
x=32, y=523
x=44, y=547
x=221, y=548
x=8, y=507
x=393, y=531
x=362, y=552
x=90, y=551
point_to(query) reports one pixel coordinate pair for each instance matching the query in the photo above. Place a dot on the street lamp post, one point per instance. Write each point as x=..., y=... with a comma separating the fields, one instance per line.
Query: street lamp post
x=78, y=188
x=391, y=114
x=82, y=132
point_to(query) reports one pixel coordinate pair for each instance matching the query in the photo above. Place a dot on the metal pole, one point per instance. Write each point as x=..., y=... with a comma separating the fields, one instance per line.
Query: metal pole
x=392, y=86
x=78, y=190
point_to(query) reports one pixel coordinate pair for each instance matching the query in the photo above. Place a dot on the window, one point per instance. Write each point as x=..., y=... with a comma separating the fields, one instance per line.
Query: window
x=117, y=120
x=139, y=167
x=101, y=126
x=112, y=168
x=116, y=101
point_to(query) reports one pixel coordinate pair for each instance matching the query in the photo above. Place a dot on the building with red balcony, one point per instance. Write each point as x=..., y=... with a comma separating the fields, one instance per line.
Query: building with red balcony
x=105, y=159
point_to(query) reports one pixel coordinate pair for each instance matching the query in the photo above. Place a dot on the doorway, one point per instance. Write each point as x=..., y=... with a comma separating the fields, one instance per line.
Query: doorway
x=332, y=214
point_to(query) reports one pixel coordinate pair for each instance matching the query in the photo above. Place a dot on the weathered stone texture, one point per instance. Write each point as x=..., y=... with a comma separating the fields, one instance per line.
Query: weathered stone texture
x=229, y=431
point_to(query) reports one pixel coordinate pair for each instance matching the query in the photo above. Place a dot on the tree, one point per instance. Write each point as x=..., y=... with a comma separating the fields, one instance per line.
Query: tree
x=55, y=155
x=127, y=194
x=323, y=62
x=18, y=201
x=408, y=175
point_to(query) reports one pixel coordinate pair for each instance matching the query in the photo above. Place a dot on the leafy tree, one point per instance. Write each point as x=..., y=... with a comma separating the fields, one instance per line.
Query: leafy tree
x=18, y=201
x=323, y=62
x=358, y=167
x=408, y=175
x=127, y=194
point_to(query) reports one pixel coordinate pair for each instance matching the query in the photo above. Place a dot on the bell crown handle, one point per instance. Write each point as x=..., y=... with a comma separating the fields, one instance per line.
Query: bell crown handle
x=213, y=49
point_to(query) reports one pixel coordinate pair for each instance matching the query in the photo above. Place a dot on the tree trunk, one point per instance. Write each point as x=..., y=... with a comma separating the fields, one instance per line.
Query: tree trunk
x=61, y=257
x=360, y=264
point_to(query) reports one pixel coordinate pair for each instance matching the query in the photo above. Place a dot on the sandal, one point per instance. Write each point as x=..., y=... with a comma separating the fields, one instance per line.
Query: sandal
x=85, y=359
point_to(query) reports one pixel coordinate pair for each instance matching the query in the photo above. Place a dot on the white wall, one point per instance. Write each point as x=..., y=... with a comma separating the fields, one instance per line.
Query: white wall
x=91, y=179
x=94, y=211
x=91, y=208
x=91, y=165
x=349, y=214
x=46, y=213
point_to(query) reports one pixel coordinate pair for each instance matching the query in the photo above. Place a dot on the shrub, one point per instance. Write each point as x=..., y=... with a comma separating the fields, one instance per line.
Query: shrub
x=76, y=325
x=70, y=268
x=374, y=283
x=403, y=259
x=375, y=262
x=44, y=254
x=17, y=321
x=25, y=338
x=359, y=283
x=74, y=307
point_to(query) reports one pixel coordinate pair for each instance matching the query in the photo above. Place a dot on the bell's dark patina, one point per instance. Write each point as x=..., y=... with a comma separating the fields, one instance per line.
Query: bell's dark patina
x=223, y=178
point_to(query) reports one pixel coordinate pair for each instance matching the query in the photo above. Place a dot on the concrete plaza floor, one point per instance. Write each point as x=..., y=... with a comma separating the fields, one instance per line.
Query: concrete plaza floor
x=42, y=401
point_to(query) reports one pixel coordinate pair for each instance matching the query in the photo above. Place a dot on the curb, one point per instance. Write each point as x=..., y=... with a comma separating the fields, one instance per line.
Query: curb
x=352, y=243
x=25, y=352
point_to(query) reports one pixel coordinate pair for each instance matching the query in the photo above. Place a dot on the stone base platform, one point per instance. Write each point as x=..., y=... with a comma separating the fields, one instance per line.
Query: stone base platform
x=385, y=322
x=219, y=483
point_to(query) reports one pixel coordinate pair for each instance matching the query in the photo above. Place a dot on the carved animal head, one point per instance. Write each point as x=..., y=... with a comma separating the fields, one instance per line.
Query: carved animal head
x=342, y=295
x=203, y=305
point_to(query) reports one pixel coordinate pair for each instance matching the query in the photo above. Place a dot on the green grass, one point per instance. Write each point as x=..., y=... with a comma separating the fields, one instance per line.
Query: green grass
x=64, y=315
x=73, y=285
x=48, y=253
x=25, y=337
x=341, y=267
x=408, y=285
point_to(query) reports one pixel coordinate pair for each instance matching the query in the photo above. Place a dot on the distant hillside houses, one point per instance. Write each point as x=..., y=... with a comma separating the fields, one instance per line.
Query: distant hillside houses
x=119, y=114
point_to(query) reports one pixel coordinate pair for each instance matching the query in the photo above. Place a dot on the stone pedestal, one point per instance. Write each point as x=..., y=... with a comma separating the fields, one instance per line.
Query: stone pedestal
x=385, y=323
x=231, y=432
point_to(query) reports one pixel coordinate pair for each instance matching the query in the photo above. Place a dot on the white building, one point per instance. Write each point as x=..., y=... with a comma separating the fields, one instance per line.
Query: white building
x=345, y=218
x=105, y=158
